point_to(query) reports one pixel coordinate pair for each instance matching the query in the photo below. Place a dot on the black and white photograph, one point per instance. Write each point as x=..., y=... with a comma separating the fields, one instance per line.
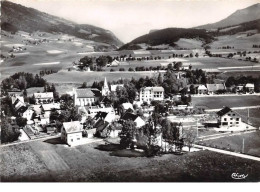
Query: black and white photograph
x=136, y=91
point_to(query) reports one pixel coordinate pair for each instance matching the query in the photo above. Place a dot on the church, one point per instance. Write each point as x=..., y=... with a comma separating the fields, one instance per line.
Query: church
x=105, y=89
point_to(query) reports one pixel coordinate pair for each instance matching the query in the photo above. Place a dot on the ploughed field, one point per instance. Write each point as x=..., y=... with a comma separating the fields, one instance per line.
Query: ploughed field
x=50, y=161
x=217, y=102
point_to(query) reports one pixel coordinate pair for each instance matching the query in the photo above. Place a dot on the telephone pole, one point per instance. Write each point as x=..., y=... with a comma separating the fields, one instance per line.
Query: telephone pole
x=243, y=146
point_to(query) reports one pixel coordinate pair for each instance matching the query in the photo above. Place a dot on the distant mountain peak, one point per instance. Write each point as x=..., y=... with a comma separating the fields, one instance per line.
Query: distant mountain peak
x=247, y=14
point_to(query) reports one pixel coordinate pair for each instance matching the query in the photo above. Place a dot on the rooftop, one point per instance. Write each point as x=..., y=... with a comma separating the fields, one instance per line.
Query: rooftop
x=129, y=116
x=43, y=95
x=154, y=88
x=215, y=87
x=83, y=93
x=71, y=127
x=223, y=111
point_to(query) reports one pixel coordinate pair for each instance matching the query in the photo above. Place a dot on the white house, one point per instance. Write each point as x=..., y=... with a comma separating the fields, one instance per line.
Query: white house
x=93, y=110
x=84, y=97
x=28, y=114
x=202, y=89
x=149, y=94
x=46, y=108
x=138, y=120
x=71, y=133
x=212, y=88
x=228, y=118
x=250, y=87
x=115, y=63
x=43, y=98
x=113, y=87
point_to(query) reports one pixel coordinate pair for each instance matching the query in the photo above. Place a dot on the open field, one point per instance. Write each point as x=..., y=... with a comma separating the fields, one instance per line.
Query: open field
x=239, y=73
x=234, y=143
x=59, y=51
x=254, y=116
x=89, y=77
x=43, y=161
x=218, y=102
x=239, y=41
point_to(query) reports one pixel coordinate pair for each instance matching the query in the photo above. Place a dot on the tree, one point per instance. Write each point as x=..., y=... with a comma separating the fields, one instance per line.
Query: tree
x=102, y=61
x=128, y=134
x=84, y=85
x=189, y=137
x=160, y=79
x=8, y=133
x=86, y=61
x=21, y=122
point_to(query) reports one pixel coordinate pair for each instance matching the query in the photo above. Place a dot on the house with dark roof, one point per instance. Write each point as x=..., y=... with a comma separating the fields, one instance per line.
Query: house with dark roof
x=86, y=96
x=213, y=88
x=228, y=118
x=135, y=118
x=71, y=133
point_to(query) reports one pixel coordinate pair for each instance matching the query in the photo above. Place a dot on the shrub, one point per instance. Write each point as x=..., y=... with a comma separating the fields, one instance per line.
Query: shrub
x=121, y=69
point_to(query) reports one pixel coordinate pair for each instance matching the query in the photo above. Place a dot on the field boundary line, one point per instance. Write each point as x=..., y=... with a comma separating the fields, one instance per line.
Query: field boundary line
x=229, y=153
x=234, y=108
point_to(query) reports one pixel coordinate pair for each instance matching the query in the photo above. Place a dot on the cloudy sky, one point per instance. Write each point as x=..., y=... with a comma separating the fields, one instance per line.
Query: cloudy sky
x=128, y=19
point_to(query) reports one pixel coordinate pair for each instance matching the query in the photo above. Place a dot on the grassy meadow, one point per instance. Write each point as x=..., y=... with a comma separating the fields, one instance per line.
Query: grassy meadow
x=96, y=162
x=218, y=102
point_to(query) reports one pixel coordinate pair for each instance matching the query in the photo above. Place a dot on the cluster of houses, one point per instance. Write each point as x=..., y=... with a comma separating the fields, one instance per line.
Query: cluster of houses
x=94, y=104
x=210, y=89
x=38, y=114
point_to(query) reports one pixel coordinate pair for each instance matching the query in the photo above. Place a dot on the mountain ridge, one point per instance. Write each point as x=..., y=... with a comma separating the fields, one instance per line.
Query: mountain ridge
x=18, y=17
x=240, y=16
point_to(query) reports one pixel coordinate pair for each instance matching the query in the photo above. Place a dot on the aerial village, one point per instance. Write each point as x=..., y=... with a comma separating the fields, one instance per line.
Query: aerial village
x=127, y=112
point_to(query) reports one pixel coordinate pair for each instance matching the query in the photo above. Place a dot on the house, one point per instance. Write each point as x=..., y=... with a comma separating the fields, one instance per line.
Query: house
x=43, y=98
x=47, y=108
x=130, y=116
x=148, y=94
x=250, y=87
x=201, y=90
x=114, y=87
x=125, y=107
x=228, y=118
x=213, y=88
x=28, y=114
x=17, y=97
x=85, y=97
x=101, y=127
x=115, y=63
x=93, y=110
x=15, y=92
x=71, y=133
x=105, y=89
x=18, y=103
x=109, y=117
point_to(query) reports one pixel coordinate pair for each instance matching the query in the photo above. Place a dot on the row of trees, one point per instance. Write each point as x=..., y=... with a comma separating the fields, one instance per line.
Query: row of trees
x=21, y=81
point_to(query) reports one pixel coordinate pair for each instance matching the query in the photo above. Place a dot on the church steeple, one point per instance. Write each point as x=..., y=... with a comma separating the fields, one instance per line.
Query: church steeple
x=105, y=84
x=105, y=88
